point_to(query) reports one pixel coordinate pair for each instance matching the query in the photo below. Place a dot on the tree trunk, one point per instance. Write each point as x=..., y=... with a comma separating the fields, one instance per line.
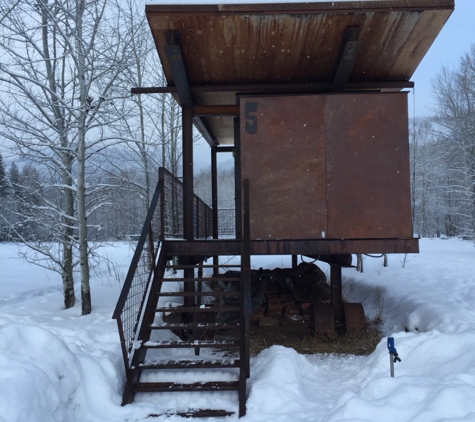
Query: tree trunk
x=67, y=267
x=67, y=160
x=86, y=306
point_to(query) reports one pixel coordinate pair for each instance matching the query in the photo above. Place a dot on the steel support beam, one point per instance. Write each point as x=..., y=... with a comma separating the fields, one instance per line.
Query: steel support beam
x=225, y=149
x=237, y=179
x=205, y=131
x=298, y=88
x=295, y=247
x=188, y=228
x=214, y=190
x=214, y=203
x=349, y=48
x=187, y=132
x=216, y=110
x=175, y=59
x=182, y=88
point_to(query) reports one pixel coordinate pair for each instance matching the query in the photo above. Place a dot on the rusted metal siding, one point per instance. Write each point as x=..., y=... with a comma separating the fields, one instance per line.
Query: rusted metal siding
x=327, y=166
x=367, y=162
x=239, y=44
x=285, y=163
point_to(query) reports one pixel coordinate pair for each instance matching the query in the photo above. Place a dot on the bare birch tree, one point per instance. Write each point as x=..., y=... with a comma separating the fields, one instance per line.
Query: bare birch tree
x=60, y=61
x=454, y=92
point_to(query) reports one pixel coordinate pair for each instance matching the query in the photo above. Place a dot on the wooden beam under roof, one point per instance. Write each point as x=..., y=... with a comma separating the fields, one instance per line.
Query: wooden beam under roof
x=205, y=131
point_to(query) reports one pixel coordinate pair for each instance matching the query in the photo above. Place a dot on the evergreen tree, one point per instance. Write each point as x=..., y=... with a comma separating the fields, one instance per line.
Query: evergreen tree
x=3, y=202
x=14, y=176
x=3, y=179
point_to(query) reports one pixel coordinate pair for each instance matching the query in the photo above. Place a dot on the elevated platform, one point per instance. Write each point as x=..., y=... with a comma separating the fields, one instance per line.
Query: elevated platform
x=292, y=247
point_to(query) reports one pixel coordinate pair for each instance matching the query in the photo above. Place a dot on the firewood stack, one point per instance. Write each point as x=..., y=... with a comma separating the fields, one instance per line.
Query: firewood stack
x=279, y=302
x=282, y=292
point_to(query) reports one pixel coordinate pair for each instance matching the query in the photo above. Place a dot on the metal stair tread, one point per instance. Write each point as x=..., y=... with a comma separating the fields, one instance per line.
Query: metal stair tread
x=162, y=387
x=182, y=309
x=205, y=279
x=200, y=326
x=199, y=294
x=191, y=364
x=177, y=267
x=195, y=413
x=189, y=344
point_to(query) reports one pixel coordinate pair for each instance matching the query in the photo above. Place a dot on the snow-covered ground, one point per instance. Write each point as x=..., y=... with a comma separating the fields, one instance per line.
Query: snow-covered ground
x=58, y=366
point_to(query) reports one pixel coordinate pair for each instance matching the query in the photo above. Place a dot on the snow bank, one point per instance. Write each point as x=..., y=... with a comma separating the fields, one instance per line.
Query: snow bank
x=40, y=375
x=58, y=366
x=434, y=382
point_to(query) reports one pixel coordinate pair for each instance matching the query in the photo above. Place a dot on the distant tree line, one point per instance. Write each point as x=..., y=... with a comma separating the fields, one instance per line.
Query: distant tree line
x=443, y=156
x=25, y=191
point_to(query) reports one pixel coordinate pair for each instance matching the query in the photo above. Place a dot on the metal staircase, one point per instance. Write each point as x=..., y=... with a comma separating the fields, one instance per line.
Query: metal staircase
x=165, y=294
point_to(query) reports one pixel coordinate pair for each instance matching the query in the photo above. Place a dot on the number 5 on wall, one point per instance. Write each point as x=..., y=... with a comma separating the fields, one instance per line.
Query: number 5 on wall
x=251, y=121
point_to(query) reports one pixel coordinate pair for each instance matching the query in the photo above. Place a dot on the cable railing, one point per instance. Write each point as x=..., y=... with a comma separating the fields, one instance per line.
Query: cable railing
x=164, y=219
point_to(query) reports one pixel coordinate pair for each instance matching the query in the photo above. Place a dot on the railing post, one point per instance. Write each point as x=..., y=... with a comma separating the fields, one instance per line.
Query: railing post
x=197, y=207
x=188, y=198
x=246, y=299
x=161, y=183
x=188, y=201
x=214, y=203
x=237, y=177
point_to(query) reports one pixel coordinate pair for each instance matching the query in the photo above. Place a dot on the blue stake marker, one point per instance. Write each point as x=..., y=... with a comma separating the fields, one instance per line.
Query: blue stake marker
x=393, y=356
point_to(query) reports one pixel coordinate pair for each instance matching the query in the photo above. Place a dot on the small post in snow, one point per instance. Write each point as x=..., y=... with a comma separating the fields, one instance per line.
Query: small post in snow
x=393, y=356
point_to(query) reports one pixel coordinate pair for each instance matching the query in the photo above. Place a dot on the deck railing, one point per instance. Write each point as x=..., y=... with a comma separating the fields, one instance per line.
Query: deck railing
x=164, y=219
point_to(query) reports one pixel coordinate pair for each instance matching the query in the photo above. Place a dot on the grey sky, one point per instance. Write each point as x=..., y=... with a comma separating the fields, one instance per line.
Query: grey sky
x=453, y=41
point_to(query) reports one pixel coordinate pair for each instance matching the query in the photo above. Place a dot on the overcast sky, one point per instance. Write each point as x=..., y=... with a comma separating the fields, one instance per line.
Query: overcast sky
x=453, y=41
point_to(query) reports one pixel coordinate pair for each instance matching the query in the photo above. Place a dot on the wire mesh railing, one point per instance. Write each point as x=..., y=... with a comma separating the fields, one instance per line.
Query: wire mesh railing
x=227, y=222
x=130, y=304
x=164, y=219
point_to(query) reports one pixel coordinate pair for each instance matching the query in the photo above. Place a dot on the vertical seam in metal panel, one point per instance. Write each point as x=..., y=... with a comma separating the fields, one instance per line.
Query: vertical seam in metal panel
x=325, y=171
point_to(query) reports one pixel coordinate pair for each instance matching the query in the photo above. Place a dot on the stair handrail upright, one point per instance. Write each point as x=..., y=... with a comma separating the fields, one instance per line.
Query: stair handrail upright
x=246, y=297
x=128, y=333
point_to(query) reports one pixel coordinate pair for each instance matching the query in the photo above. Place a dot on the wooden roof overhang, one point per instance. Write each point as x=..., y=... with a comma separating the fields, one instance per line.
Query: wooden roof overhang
x=210, y=53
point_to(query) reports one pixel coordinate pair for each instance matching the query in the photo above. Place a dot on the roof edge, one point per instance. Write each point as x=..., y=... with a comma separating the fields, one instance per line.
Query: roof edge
x=293, y=8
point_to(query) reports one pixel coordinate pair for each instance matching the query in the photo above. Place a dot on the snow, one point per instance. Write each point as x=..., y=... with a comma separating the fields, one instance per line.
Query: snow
x=58, y=366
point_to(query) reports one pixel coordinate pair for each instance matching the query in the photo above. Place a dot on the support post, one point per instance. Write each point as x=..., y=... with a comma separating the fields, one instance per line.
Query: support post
x=187, y=123
x=214, y=204
x=246, y=301
x=237, y=178
x=188, y=230
x=336, y=296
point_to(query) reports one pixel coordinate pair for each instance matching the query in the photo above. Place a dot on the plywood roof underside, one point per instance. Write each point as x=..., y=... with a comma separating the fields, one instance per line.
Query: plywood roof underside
x=293, y=44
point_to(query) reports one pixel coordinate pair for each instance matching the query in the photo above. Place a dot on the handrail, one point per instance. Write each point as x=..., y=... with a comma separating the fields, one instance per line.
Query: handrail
x=161, y=221
x=138, y=252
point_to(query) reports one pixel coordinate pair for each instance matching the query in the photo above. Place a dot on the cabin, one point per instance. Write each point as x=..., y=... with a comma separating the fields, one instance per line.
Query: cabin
x=311, y=98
